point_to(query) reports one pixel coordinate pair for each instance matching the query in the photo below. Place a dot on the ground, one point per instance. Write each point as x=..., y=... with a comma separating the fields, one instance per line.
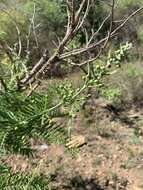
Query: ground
x=110, y=159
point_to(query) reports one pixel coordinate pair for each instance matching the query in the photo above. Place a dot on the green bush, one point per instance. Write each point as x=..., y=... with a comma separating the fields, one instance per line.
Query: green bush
x=129, y=81
x=111, y=94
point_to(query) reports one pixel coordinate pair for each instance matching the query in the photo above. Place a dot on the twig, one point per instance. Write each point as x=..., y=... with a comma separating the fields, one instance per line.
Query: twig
x=74, y=21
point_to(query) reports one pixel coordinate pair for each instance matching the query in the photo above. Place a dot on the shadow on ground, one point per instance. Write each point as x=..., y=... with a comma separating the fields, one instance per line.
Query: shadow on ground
x=78, y=183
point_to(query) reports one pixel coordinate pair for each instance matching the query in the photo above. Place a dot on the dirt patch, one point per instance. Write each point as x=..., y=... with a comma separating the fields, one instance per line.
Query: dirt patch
x=111, y=158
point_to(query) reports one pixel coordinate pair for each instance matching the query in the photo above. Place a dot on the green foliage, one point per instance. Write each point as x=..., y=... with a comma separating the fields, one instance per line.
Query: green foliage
x=99, y=69
x=75, y=43
x=20, y=181
x=134, y=71
x=13, y=70
x=111, y=93
x=22, y=119
x=128, y=80
x=119, y=55
x=140, y=34
x=3, y=35
x=18, y=68
x=65, y=92
x=125, y=4
x=48, y=13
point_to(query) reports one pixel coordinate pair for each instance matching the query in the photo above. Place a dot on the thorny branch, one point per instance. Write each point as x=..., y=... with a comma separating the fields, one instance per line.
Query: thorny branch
x=76, y=19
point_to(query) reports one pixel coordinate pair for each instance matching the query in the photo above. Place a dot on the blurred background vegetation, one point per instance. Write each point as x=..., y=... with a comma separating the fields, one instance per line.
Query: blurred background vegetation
x=50, y=19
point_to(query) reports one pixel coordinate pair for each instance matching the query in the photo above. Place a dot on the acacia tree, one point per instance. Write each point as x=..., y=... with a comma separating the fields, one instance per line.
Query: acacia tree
x=76, y=16
x=23, y=117
x=27, y=115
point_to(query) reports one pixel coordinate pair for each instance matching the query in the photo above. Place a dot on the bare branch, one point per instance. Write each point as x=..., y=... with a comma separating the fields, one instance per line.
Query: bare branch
x=17, y=29
x=84, y=17
x=106, y=41
x=96, y=44
x=32, y=27
x=75, y=21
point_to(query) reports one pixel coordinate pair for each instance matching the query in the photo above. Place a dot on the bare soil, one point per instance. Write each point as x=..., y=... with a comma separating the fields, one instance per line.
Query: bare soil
x=111, y=158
